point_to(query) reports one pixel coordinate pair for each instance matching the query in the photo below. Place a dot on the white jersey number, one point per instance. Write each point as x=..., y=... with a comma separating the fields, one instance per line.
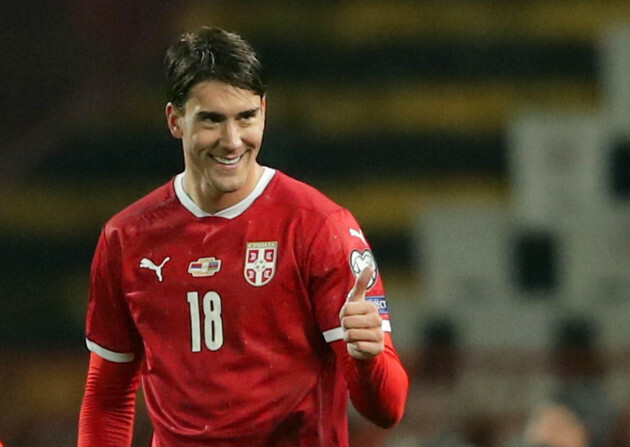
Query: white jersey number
x=212, y=321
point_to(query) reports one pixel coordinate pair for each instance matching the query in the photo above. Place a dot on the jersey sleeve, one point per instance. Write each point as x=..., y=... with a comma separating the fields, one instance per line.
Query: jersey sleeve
x=378, y=387
x=108, y=408
x=338, y=254
x=110, y=331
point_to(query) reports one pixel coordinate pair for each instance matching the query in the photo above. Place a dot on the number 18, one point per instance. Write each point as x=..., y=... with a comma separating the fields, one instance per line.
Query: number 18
x=213, y=323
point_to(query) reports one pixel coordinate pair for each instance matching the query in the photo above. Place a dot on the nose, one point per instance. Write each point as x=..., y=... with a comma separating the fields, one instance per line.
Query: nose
x=231, y=136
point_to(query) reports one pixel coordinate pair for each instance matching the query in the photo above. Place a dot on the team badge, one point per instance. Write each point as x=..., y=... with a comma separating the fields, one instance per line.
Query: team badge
x=260, y=262
x=360, y=260
x=204, y=267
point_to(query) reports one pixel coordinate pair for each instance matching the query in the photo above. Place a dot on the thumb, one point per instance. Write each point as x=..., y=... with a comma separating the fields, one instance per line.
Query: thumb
x=360, y=285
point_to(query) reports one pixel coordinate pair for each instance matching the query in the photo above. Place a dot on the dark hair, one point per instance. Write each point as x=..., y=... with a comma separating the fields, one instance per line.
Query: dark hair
x=211, y=54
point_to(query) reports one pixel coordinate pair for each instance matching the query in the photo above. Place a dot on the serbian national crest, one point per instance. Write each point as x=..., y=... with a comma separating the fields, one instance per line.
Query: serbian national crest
x=260, y=262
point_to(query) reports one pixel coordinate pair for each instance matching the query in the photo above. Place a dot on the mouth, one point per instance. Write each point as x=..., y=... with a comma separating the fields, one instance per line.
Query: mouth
x=227, y=161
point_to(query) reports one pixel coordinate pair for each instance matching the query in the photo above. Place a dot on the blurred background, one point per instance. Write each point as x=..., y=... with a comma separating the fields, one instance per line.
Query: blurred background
x=483, y=145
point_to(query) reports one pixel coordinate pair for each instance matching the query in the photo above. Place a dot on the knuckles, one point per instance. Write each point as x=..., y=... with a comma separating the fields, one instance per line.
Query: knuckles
x=359, y=335
x=364, y=350
x=358, y=308
x=361, y=324
x=370, y=321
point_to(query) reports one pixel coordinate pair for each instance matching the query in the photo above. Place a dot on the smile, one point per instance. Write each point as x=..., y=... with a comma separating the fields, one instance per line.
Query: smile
x=227, y=161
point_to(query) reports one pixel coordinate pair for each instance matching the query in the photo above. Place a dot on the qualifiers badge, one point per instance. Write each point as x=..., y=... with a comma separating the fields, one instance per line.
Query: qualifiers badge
x=360, y=260
x=260, y=262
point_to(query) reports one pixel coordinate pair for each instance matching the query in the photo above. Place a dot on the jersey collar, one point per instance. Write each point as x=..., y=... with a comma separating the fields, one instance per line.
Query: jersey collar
x=227, y=213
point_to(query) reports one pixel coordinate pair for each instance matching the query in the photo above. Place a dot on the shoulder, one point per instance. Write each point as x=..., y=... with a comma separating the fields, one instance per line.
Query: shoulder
x=144, y=210
x=293, y=193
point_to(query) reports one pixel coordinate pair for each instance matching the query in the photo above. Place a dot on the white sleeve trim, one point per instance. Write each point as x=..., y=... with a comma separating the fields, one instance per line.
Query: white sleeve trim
x=333, y=334
x=116, y=357
x=337, y=333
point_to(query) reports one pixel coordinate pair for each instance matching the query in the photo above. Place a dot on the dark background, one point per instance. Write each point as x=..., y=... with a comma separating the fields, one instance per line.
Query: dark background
x=384, y=105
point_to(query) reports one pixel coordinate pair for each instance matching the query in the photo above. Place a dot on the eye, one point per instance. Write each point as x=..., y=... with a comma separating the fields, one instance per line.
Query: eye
x=214, y=118
x=211, y=118
x=247, y=115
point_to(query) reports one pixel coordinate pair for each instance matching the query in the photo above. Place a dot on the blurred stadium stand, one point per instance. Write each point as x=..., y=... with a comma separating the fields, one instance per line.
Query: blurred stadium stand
x=406, y=112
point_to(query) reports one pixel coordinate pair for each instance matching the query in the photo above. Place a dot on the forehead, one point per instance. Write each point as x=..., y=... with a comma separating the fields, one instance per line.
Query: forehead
x=221, y=97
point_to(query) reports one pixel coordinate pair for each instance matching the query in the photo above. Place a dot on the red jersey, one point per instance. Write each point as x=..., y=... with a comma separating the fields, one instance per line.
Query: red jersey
x=233, y=313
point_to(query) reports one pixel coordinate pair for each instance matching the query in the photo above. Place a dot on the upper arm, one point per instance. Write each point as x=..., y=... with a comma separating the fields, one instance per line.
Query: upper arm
x=110, y=330
x=337, y=254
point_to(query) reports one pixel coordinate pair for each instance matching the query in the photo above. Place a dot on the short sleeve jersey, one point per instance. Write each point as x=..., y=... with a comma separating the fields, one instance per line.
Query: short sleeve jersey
x=232, y=313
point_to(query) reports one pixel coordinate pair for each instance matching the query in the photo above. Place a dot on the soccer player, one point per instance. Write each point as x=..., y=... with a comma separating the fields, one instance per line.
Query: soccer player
x=247, y=304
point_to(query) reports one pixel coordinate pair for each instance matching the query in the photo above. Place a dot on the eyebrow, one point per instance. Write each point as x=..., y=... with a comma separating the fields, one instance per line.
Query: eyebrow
x=218, y=117
x=248, y=113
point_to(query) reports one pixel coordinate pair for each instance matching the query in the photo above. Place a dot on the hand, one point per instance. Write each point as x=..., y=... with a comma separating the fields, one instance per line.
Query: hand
x=361, y=322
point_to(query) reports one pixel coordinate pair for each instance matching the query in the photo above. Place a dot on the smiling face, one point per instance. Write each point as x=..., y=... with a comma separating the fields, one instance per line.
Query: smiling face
x=221, y=128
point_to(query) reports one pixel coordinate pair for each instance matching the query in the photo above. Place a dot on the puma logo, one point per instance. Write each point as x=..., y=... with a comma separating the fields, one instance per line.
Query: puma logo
x=146, y=263
x=359, y=234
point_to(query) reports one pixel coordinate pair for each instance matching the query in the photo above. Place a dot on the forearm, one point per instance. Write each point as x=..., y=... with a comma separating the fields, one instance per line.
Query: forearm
x=108, y=407
x=378, y=387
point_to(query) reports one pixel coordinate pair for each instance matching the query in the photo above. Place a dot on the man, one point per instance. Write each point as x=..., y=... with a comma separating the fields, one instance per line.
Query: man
x=247, y=303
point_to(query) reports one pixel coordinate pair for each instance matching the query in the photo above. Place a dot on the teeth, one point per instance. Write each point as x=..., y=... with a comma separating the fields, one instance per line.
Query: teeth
x=227, y=161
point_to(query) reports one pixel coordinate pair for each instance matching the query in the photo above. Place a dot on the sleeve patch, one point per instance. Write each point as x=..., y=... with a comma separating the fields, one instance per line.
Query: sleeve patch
x=380, y=302
x=359, y=260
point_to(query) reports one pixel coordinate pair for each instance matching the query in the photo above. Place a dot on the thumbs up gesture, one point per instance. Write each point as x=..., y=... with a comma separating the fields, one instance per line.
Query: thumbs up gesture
x=361, y=322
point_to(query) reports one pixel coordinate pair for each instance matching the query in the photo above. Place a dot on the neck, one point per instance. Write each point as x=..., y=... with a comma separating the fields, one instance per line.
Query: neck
x=211, y=199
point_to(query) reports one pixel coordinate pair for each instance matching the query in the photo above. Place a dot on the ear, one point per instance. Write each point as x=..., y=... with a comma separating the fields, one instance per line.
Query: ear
x=263, y=109
x=173, y=118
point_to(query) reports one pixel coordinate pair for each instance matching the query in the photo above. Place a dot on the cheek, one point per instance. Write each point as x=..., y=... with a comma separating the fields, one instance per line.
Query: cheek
x=202, y=140
x=253, y=137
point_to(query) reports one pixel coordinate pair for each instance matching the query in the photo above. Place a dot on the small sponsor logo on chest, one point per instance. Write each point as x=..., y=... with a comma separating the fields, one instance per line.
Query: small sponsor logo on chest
x=260, y=262
x=204, y=267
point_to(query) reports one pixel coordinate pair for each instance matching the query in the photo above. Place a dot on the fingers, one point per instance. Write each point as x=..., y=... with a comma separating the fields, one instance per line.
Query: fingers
x=357, y=308
x=363, y=335
x=364, y=350
x=360, y=320
x=360, y=285
x=362, y=329
x=365, y=320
